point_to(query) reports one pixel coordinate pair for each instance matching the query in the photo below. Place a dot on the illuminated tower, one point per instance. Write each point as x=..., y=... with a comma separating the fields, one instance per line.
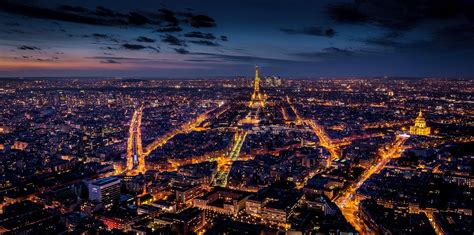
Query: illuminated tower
x=420, y=127
x=256, y=100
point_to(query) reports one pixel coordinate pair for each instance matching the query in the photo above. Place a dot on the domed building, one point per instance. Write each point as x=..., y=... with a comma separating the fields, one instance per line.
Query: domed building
x=420, y=127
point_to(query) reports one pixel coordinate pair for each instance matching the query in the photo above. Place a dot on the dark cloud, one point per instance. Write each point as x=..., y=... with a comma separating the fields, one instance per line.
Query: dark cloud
x=172, y=40
x=205, y=43
x=15, y=31
x=224, y=38
x=133, y=46
x=99, y=35
x=169, y=29
x=116, y=58
x=456, y=35
x=13, y=24
x=145, y=39
x=135, y=18
x=47, y=59
x=202, y=21
x=167, y=21
x=336, y=50
x=53, y=14
x=29, y=48
x=77, y=9
x=397, y=14
x=202, y=60
x=445, y=39
x=329, y=52
x=387, y=40
x=168, y=16
x=238, y=58
x=330, y=32
x=313, y=31
x=195, y=34
x=108, y=48
x=346, y=13
x=138, y=47
x=74, y=14
x=109, y=62
x=181, y=51
x=453, y=37
x=439, y=9
x=104, y=12
x=451, y=23
x=23, y=57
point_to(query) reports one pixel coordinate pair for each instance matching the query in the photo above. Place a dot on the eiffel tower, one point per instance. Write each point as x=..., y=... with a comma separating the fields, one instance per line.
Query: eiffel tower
x=256, y=100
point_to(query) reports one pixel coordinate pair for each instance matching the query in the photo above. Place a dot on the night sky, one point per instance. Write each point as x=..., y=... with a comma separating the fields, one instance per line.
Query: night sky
x=227, y=38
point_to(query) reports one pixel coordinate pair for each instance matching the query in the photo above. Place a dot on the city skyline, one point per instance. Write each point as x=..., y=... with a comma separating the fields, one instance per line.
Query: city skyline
x=185, y=39
x=250, y=117
x=244, y=155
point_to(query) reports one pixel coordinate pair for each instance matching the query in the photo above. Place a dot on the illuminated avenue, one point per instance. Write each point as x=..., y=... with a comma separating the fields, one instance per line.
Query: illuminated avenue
x=260, y=155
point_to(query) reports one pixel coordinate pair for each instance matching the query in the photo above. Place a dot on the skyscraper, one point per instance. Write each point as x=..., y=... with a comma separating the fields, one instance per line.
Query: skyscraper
x=272, y=81
x=105, y=191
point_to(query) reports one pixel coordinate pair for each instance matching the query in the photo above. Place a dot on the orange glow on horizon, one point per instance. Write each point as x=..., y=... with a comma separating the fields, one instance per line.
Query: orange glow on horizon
x=88, y=64
x=81, y=65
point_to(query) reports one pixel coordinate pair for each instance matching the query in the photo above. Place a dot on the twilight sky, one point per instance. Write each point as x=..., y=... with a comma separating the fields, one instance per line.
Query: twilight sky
x=189, y=38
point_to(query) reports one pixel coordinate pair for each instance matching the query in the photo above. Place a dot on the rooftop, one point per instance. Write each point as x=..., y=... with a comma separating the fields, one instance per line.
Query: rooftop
x=104, y=181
